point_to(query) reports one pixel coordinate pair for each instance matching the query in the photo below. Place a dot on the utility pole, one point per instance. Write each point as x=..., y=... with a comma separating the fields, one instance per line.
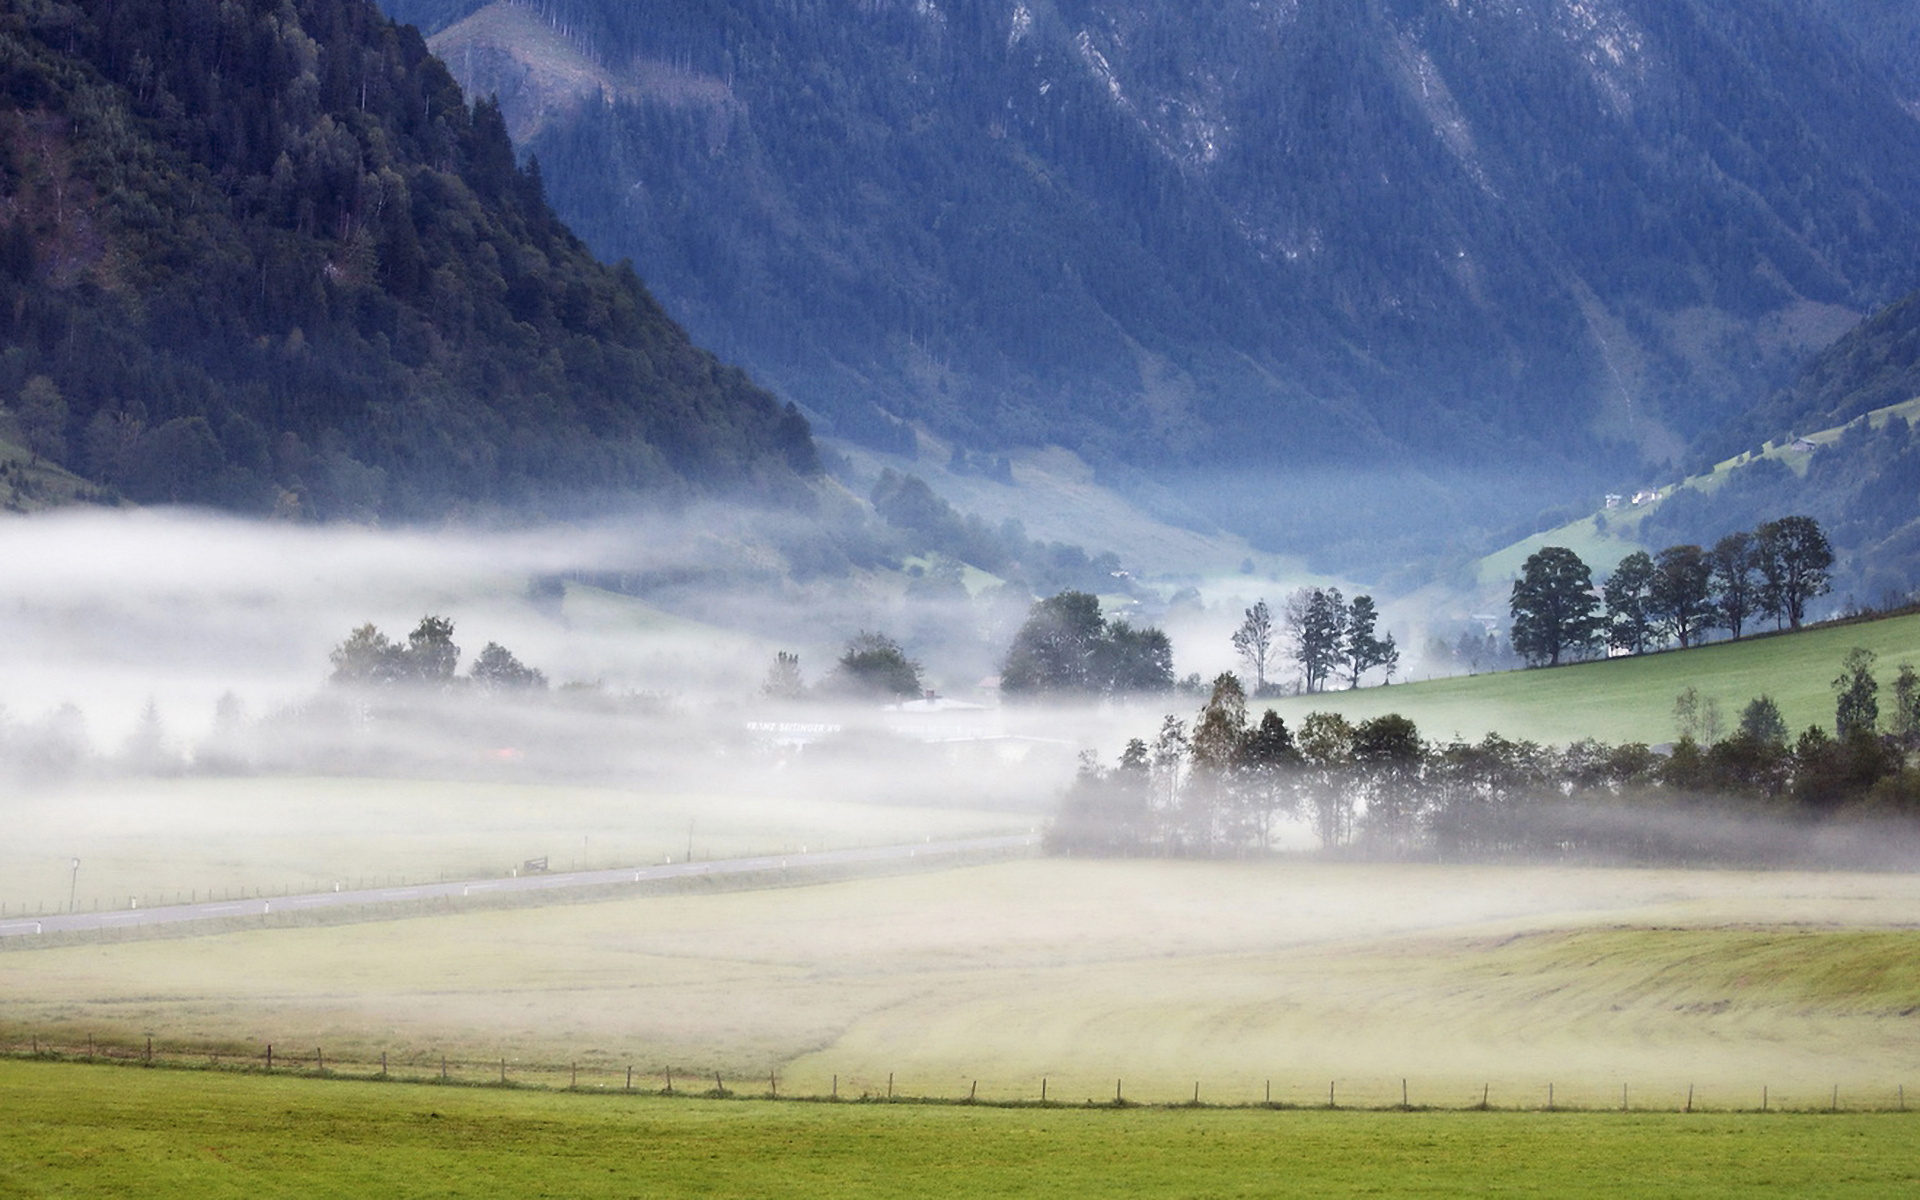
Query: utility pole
x=73, y=887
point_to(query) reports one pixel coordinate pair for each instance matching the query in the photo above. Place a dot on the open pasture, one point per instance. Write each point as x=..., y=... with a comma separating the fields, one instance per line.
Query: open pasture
x=1161, y=977
x=98, y=1131
x=1631, y=699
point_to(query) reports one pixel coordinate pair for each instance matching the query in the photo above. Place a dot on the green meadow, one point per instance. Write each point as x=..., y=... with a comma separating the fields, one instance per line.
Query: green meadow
x=1631, y=699
x=79, y=1131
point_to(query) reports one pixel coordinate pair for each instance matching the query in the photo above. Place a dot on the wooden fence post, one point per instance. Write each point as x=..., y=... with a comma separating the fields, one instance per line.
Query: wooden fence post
x=269, y=1056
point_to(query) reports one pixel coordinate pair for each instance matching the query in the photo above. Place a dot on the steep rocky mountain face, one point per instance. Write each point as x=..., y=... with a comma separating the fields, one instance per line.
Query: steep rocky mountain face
x=261, y=254
x=1505, y=248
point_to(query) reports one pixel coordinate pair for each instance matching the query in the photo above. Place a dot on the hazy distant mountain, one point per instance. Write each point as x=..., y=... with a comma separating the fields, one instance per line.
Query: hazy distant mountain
x=1495, y=236
x=260, y=254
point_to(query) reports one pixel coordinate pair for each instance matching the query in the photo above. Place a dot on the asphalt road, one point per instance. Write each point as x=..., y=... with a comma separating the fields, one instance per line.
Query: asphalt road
x=173, y=914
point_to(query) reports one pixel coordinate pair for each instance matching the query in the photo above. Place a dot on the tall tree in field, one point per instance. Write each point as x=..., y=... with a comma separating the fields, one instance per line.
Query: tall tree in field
x=1326, y=754
x=1054, y=651
x=497, y=669
x=1316, y=621
x=1134, y=661
x=1553, y=606
x=1363, y=650
x=1388, y=754
x=1856, y=707
x=875, y=666
x=1682, y=594
x=1736, y=588
x=1794, y=557
x=1256, y=643
x=1269, y=763
x=431, y=656
x=1629, y=593
x=1219, y=738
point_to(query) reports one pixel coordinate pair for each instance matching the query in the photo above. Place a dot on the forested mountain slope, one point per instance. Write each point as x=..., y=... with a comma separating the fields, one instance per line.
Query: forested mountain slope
x=1536, y=242
x=261, y=254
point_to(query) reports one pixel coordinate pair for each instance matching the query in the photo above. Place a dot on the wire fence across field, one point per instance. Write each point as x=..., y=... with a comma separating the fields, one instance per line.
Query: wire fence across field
x=1279, y=1093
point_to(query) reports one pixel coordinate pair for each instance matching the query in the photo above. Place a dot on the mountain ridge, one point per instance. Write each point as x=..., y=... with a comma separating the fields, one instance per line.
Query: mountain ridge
x=1577, y=234
x=264, y=256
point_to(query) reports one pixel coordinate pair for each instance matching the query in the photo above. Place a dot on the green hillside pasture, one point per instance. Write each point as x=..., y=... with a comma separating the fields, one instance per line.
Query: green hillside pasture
x=1071, y=975
x=102, y=1131
x=159, y=841
x=1603, y=551
x=1631, y=699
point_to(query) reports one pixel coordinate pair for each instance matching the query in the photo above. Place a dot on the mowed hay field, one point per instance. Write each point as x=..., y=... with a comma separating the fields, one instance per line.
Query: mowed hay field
x=96, y=1131
x=1157, y=977
x=1631, y=699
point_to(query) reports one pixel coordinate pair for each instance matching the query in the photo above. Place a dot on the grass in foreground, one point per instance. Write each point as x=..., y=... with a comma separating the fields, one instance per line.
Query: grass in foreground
x=101, y=1131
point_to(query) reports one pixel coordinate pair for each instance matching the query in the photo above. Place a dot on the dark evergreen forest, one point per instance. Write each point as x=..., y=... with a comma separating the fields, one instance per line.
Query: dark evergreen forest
x=263, y=255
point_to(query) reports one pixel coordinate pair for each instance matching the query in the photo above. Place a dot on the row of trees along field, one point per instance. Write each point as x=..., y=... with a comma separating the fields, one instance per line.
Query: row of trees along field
x=1678, y=596
x=1221, y=785
x=1067, y=649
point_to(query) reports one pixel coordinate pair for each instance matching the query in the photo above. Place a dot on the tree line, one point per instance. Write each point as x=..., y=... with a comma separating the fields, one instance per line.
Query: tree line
x=1678, y=596
x=1067, y=648
x=1223, y=783
x=1323, y=634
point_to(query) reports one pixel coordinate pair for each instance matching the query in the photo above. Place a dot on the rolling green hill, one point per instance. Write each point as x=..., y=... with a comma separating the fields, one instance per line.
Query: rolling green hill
x=1631, y=699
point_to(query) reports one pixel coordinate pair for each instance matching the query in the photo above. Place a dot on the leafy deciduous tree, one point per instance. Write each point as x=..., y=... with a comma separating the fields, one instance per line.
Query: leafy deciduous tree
x=1629, y=593
x=1553, y=606
x=1681, y=597
x=874, y=665
x=1856, y=709
x=1794, y=557
x=1734, y=586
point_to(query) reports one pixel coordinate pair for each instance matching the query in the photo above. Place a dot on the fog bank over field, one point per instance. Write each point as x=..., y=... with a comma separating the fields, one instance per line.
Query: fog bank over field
x=108, y=610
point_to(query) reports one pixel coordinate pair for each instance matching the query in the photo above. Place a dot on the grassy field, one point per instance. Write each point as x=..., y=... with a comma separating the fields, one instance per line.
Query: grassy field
x=1229, y=977
x=98, y=1131
x=1631, y=699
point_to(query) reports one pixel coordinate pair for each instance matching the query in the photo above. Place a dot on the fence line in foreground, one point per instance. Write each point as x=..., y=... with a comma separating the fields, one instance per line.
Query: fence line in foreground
x=603, y=1078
